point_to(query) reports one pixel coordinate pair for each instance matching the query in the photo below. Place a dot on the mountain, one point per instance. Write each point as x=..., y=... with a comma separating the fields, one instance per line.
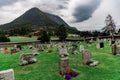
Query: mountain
x=37, y=19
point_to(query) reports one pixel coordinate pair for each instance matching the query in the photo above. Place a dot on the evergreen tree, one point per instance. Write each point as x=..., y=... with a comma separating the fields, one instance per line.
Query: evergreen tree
x=61, y=33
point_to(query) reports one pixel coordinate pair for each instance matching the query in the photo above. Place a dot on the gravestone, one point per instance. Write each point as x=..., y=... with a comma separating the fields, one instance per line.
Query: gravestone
x=74, y=50
x=98, y=46
x=62, y=51
x=114, y=49
x=7, y=74
x=112, y=42
x=14, y=51
x=2, y=50
x=34, y=52
x=30, y=46
x=19, y=47
x=118, y=49
x=81, y=48
x=87, y=59
x=64, y=65
x=109, y=42
x=15, y=46
x=105, y=39
x=98, y=40
x=36, y=45
x=101, y=45
x=40, y=48
x=51, y=45
x=27, y=59
x=91, y=40
x=86, y=56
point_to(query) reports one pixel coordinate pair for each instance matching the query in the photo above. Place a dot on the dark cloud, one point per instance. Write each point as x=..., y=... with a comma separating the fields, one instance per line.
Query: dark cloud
x=84, y=12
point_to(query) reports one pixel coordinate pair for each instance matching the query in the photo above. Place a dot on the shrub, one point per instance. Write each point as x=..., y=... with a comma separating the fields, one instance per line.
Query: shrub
x=45, y=38
x=3, y=38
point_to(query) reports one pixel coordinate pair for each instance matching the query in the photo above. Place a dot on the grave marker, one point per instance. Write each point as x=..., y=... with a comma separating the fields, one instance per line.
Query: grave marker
x=101, y=45
x=34, y=52
x=62, y=51
x=87, y=59
x=7, y=74
x=64, y=66
x=81, y=48
x=27, y=59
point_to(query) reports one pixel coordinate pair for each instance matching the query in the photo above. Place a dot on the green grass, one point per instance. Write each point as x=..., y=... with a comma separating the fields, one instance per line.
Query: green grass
x=46, y=67
x=21, y=39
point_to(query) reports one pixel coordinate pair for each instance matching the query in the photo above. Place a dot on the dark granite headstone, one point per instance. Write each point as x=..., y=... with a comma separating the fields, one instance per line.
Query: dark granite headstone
x=19, y=47
x=114, y=49
x=101, y=45
x=112, y=42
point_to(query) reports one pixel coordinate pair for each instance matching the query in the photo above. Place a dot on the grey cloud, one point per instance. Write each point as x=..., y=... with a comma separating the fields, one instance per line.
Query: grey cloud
x=8, y=2
x=84, y=12
x=52, y=6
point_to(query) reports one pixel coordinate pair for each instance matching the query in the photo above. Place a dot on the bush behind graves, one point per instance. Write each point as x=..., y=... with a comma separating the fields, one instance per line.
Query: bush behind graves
x=3, y=38
x=45, y=38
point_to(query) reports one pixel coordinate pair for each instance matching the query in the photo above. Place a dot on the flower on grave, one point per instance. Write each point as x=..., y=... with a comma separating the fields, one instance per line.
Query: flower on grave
x=67, y=72
x=74, y=74
x=68, y=76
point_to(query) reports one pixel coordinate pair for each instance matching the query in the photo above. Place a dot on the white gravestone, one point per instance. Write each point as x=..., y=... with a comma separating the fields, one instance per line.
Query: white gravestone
x=7, y=74
x=34, y=52
x=98, y=46
x=81, y=48
x=62, y=51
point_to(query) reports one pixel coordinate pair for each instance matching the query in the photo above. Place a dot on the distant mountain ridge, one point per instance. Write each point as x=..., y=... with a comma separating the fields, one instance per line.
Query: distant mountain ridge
x=36, y=19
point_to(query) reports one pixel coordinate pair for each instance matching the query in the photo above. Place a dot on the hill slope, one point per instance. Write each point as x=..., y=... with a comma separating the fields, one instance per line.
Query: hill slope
x=36, y=19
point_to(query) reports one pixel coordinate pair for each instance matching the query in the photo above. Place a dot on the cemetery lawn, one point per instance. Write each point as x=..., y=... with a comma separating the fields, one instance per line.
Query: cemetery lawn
x=21, y=39
x=46, y=67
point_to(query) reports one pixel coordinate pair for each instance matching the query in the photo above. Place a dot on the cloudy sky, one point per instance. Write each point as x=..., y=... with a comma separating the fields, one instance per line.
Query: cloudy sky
x=82, y=14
